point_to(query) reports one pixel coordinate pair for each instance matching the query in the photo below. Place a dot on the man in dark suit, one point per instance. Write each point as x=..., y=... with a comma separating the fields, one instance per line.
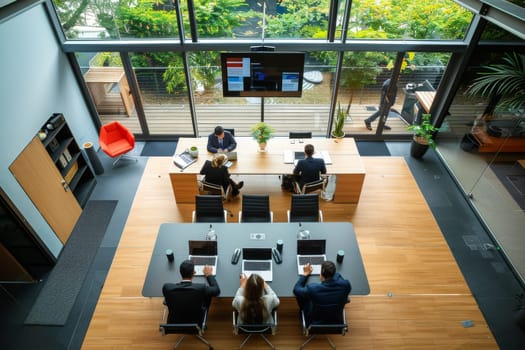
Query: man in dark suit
x=333, y=290
x=221, y=141
x=187, y=301
x=309, y=168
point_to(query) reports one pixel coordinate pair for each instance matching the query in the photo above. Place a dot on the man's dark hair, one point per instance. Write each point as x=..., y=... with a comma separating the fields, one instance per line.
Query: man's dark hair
x=186, y=269
x=219, y=130
x=328, y=269
x=309, y=150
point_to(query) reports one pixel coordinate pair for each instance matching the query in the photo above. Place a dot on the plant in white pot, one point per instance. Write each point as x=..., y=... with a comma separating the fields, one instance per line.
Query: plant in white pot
x=423, y=136
x=262, y=132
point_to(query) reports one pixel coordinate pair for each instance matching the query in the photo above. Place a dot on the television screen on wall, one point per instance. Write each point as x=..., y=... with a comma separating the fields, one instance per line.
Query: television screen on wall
x=262, y=74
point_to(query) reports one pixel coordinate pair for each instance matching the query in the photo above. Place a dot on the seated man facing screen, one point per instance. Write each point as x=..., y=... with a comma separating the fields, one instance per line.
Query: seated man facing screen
x=333, y=290
x=216, y=173
x=309, y=168
x=221, y=141
x=193, y=294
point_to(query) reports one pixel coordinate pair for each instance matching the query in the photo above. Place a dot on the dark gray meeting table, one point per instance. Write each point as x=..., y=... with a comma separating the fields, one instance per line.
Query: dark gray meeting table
x=175, y=236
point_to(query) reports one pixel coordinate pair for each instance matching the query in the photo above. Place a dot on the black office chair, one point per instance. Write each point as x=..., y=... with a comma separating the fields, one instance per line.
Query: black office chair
x=187, y=317
x=255, y=208
x=310, y=187
x=255, y=329
x=209, y=208
x=305, y=208
x=231, y=131
x=325, y=319
x=299, y=135
x=213, y=189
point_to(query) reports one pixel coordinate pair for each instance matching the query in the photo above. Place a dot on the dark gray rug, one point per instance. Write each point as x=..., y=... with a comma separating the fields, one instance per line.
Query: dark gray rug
x=372, y=148
x=57, y=297
x=159, y=149
x=512, y=177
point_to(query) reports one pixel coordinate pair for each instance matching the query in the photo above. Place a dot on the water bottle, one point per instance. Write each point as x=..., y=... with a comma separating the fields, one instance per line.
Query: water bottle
x=302, y=233
x=211, y=235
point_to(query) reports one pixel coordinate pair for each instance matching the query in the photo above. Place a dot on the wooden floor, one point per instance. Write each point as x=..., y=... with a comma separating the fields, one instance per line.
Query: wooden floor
x=402, y=247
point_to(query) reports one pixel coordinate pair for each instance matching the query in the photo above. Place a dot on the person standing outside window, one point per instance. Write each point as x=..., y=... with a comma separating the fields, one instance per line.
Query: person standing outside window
x=387, y=99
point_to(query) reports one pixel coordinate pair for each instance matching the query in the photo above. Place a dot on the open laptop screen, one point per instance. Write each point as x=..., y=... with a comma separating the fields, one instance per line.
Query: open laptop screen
x=202, y=247
x=311, y=246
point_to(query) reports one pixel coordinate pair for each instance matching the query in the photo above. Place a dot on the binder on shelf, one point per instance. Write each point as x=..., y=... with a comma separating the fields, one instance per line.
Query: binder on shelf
x=62, y=161
x=67, y=155
x=71, y=173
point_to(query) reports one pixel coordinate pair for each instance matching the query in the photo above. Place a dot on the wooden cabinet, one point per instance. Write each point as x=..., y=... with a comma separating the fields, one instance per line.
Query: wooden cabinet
x=55, y=175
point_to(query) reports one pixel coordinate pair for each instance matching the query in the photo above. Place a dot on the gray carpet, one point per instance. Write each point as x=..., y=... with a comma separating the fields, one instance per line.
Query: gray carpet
x=159, y=149
x=55, y=300
x=372, y=148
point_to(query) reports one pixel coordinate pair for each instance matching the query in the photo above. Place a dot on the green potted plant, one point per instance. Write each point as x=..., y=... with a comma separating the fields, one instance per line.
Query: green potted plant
x=339, y=123
x=262, y=132
x=423, y=136
x=194, y=151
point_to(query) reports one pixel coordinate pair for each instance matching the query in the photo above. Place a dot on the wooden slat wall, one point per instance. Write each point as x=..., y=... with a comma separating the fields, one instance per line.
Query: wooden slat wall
x=403, y=251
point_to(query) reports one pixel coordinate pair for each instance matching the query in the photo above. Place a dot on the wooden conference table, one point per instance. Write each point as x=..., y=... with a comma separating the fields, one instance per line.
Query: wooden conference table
x=346, y=164
x=338, y=235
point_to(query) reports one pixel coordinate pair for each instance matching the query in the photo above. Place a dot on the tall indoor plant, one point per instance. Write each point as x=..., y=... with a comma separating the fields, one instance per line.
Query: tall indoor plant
x=423, y=136
x=339, y=123
x=262, y=132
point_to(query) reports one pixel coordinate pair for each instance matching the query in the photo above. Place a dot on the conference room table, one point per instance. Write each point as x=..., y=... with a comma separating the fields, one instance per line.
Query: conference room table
x=346, y=164
x=175, y=236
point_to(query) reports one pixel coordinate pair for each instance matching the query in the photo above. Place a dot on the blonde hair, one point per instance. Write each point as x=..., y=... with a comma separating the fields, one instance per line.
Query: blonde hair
x=219, y=160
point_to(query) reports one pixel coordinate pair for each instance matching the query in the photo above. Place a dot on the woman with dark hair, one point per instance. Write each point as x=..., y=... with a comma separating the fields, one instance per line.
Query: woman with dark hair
x=254, y=300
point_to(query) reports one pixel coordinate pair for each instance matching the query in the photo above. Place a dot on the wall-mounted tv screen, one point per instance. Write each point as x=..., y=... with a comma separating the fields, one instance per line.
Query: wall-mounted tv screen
x=262, y=74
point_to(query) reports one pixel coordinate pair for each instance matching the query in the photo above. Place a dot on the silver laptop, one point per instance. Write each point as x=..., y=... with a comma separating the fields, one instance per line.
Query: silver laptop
x=292, y=157
x=232, y=156
x=203, y=253
x=259, y=261
x=311, y=251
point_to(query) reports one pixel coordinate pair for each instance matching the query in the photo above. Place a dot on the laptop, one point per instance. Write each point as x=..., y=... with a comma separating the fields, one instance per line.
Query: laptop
x=183, y=160
x=232, y=156
x=311, y=251
x=203, y=253
x=292, y=157
x=259, y=261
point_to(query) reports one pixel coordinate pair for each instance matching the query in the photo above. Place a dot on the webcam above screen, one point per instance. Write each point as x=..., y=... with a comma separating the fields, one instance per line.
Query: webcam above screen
x=262, y=74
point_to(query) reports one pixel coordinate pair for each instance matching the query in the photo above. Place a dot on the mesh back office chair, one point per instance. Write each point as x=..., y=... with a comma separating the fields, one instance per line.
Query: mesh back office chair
x=293, y=135
x=309, y=187
x=305, y=208
x=255, y=208
x=230, y=130
x=188, y=317
x=213, y=189
x=325, y=319
x=255, y=329
x=208, y=208
x=116, y=140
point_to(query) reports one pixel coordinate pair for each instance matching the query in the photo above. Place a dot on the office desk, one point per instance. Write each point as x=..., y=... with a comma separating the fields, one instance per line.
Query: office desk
x=346, y=164
x=338, y=235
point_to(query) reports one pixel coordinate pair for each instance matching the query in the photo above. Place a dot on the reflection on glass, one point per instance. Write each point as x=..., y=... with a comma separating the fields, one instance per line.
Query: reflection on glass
x=109, y=88
x=408, y=19
x=162, y=83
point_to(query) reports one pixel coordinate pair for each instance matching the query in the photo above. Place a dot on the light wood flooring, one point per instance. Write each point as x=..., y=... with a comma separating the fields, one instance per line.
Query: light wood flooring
x=401, y=244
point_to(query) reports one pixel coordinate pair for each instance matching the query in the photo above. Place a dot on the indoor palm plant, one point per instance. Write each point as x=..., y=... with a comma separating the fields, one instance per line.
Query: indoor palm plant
x=423, y=136
x=261, y=132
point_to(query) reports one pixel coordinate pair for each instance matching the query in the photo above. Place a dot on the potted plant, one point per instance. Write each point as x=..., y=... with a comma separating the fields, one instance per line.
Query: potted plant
x=423, y=136
x=339, y=123
x=261, y=132
x=194, y=151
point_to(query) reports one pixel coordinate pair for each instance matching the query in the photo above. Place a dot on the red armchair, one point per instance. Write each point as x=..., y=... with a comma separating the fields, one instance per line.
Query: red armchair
x=116, y=140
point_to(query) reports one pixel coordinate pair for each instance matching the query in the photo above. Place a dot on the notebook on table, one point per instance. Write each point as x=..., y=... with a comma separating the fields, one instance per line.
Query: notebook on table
x=311, y=251
x=183, y=160
x=259, y=261
x=203, y=253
